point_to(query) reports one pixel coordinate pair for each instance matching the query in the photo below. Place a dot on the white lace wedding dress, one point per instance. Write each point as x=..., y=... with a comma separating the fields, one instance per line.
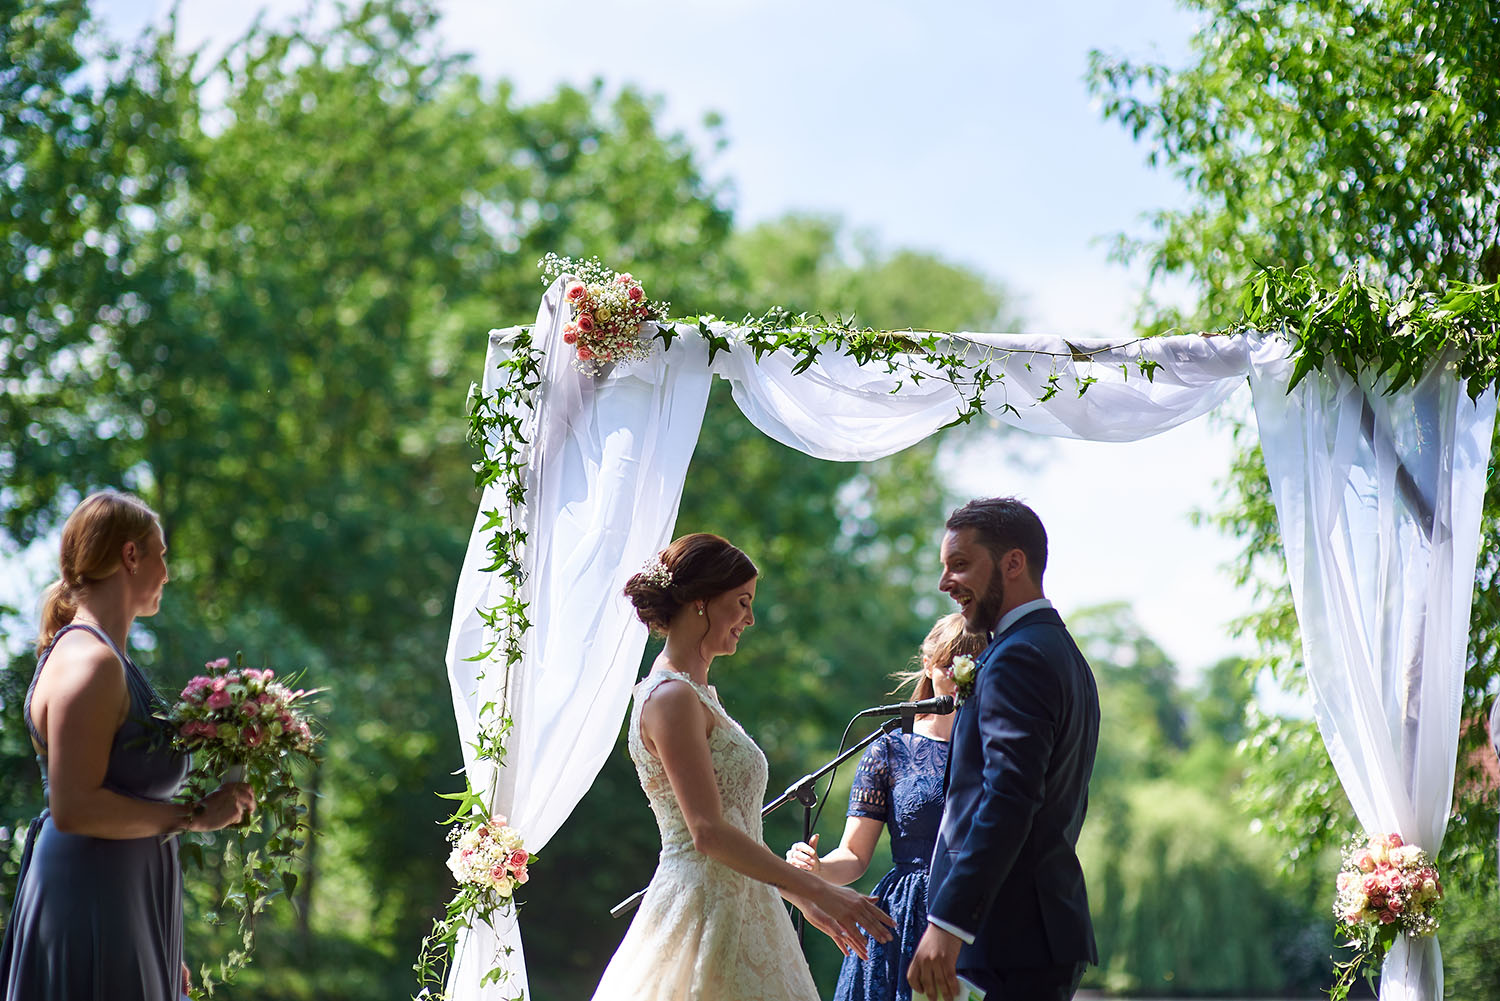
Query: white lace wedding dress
x=705, y=932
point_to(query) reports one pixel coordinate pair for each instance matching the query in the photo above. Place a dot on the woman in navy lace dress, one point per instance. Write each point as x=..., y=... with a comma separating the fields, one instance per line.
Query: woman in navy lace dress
x=899, y=783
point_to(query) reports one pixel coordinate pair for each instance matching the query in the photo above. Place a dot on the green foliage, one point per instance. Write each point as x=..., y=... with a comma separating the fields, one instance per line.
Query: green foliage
x=1188, y=896
x=1360, y=329
x=1322, y=139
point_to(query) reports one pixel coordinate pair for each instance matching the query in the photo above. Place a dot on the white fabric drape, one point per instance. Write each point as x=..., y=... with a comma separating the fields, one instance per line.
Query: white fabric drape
x=604, y=477
x=843, y=411
x=1378, y=499
x=609, y=457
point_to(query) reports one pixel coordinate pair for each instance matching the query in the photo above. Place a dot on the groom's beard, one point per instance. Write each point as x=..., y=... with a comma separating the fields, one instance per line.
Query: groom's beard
x=987, y=608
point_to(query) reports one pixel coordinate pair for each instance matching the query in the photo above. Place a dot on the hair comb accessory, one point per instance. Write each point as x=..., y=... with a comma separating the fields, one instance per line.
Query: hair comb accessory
x=656, y=572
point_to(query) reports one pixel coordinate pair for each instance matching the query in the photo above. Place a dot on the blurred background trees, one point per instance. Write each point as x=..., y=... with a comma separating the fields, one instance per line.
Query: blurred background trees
x=255, y=291
x=1333, y=136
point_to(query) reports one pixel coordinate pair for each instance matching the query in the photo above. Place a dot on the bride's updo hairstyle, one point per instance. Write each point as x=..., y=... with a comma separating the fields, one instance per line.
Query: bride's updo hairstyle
x=695, y=567
x=92, y=538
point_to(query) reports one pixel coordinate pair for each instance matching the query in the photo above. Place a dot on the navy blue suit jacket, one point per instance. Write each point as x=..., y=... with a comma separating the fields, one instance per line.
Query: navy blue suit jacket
x=1005, y=867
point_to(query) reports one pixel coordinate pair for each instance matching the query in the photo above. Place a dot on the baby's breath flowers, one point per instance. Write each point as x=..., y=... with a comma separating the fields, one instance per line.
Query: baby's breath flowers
x=1385, y=887
x=609, y=313
x=489, y=857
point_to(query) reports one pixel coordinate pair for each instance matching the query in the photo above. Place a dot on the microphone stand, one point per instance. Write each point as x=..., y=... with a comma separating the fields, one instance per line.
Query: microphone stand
x=804, y=791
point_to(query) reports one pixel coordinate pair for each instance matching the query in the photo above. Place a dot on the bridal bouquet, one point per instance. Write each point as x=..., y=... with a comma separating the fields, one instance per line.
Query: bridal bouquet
x=241, y=724
x=1385, y=888
x=240, y=717
x=609, y=313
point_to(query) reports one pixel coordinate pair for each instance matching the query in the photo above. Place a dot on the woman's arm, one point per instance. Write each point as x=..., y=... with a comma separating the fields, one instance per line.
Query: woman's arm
x=85, y=697
x=849, y=860
x=676, y=725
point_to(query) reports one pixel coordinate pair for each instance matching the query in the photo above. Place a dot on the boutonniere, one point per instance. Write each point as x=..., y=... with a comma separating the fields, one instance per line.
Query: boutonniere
x=962, y=670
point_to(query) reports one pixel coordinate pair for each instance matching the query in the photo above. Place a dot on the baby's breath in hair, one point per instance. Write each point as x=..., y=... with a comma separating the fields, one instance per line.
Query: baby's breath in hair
x=657, y=572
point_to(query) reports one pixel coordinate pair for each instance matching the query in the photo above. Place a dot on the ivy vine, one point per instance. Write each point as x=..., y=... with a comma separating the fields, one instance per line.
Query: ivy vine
x=1355, y=326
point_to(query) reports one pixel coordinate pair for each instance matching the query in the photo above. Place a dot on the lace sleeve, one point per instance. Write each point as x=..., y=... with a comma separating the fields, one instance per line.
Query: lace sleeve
x=870, y=795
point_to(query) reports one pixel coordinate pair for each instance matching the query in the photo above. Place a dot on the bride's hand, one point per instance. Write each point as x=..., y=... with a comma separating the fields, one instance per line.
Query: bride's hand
x=804, y=855
x=847, y=917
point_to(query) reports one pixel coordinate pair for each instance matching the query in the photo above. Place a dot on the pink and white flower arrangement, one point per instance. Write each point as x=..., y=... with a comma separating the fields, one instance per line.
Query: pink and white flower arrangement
x=608, y=314
x=1385, y=887
x=236, y=715
x=489, y=857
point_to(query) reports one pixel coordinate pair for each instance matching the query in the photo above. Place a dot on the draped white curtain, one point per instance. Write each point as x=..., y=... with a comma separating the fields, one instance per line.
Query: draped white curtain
x=605, y=475
x=1378, y=498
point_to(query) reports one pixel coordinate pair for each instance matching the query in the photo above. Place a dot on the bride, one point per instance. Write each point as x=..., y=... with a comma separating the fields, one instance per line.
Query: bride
x=711, y=927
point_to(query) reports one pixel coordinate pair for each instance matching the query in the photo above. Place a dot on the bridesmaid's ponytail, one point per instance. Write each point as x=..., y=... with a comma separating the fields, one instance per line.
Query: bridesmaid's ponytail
x=59, y=605
x=92, y=539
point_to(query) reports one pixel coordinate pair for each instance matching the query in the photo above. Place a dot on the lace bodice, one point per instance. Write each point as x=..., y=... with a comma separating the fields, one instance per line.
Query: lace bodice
x=900, y=781
x=704, y=931
x=739, y=767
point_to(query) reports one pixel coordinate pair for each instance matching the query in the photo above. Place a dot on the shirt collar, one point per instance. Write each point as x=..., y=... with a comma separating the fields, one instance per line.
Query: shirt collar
x=1013, y=616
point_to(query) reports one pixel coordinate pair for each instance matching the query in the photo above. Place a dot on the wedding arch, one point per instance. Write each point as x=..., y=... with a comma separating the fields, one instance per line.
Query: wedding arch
x=1375, y=423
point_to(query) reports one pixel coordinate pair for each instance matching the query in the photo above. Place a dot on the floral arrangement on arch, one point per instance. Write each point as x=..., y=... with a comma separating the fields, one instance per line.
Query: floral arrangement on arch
x=1385, y=888
x=609, y=313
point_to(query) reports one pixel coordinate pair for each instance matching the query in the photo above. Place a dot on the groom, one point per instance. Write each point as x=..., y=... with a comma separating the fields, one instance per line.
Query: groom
x=1007, y=910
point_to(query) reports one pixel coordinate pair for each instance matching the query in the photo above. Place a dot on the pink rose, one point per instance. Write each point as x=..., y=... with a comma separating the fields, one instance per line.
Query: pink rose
x=221, y=663
x=1393, y=841
x=585, y=354
x=252, y=735
x=520, y=875
x=585, y=322
x=219, y=699
x=1387, y=917
x=1363, y=860
x=576, y=292
x=189, y=730
x=517, y=859
x=1394, y=905
x=636, y=293
x=249, y=709
x=570, y=336
x=498, y=873
x=624, y=279
x=1373, y=885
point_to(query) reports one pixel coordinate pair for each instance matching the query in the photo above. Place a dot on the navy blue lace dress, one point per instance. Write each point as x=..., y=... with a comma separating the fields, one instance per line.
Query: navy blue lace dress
x=100, y=919
x=900, y=782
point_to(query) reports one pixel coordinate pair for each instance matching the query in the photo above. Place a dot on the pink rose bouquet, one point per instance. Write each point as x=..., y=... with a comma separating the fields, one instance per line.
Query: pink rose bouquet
x=240, y=716
x=242, y=724
x=608, y=313
x=1385, y=887
x=489, y=857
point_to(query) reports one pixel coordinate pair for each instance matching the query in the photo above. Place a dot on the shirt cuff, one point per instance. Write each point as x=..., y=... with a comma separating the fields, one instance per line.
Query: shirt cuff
x=966, y=937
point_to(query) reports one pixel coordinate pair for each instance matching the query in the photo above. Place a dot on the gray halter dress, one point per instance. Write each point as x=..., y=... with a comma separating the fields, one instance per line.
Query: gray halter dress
x=98, y=918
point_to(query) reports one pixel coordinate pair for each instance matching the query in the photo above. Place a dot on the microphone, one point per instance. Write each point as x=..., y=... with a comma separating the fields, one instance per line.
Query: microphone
x=942, y=705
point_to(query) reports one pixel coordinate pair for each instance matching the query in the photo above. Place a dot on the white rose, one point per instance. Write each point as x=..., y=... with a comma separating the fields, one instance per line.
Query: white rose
x=963, y=669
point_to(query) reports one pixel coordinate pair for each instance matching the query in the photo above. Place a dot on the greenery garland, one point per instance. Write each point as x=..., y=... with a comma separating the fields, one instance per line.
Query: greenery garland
x=1355, y=326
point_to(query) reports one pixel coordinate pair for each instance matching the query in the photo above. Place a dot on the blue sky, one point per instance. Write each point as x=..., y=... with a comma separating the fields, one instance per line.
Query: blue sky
x=965, y=129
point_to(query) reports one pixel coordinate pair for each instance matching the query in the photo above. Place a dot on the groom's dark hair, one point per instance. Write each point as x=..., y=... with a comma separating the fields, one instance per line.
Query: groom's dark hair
x=1002, y=524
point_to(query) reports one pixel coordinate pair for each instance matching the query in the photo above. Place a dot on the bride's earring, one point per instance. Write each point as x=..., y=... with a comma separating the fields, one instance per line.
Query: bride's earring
x=700, y=609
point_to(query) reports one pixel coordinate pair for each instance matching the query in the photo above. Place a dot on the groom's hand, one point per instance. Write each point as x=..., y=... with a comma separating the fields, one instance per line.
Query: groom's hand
x=934, y=966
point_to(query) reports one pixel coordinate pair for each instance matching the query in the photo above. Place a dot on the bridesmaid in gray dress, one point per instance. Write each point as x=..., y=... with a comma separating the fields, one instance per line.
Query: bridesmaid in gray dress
x=98, y=909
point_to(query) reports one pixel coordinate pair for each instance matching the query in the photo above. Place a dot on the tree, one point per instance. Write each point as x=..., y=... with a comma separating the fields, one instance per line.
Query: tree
x=1330, y=135
x=1183, y=902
